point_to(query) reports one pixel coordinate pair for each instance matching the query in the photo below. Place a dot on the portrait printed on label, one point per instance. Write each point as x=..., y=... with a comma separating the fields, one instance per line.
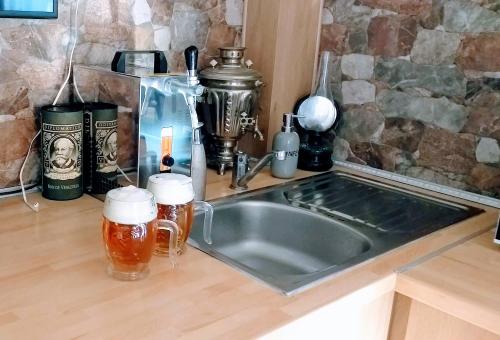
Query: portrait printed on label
x=106, y=146
x=62, y=159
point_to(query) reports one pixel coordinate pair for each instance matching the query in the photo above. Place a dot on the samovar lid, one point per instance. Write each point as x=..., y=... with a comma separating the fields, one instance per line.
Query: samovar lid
x=231, y=67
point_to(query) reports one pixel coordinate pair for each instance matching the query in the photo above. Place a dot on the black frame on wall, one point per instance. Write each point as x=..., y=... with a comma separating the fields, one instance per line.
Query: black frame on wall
x=31, y=14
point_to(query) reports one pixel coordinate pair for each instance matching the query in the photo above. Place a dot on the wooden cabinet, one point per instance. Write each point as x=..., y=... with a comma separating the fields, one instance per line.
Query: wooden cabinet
x=454, y=295
x=282, y=40
x=360, y=315
x=413, y=320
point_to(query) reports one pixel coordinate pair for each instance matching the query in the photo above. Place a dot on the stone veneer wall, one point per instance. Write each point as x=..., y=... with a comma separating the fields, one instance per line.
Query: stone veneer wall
x=420, y=82
x=33, y=55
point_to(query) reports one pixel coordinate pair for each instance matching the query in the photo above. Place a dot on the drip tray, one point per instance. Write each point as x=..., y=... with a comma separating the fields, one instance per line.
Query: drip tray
x=375, y=205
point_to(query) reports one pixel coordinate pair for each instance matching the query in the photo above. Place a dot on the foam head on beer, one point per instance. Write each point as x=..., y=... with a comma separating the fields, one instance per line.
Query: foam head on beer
x=130, y=205
x=171, y=189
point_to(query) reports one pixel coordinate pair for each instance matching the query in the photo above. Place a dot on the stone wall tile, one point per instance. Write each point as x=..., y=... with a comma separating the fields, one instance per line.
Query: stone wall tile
x=7, y=118
x=220, y=35
x=403, y=133
x=446, y=150
x=16, y=136
x=485, y=178
x=162, y=38
x=410, y=7
x=466, y=16
x=391, y=36
x=438, y=111
x=435, y=47
x=94, y=54
x=42, y=74
x=480, y=52
x=24, y=40
x=484, y=121
x=438, y=176
x=13, y=97
x=357, y=66
x=326, y=16
x=441, y=80
x=433, y=18
x=485, y=98
x=333, y=38
x=161, y=11
x=184, y=18
x=202, y=5
x=9, y=170
x=381, y=156
x=141, y=12
x=115, y=35
x=97, y=13
x=488, y=151
x=358, y=34
x=144, y=38
x=362, y=124
x=234, y=12
x=357, y=92
x=342, y=152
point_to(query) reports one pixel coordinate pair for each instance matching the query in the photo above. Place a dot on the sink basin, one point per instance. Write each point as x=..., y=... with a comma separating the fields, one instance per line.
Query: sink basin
x=296, y=235
x=273, y=240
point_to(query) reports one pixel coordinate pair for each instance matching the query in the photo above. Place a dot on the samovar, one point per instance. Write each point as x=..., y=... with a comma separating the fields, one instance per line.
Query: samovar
x=228, y=111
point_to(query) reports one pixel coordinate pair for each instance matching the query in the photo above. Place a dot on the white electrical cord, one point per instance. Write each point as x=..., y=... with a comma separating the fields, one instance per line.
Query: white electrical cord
x=36, y=205
x=70, y=57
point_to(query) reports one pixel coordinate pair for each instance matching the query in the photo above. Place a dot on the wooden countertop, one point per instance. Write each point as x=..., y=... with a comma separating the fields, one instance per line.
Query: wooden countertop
x=53, y=282
x=463, y=281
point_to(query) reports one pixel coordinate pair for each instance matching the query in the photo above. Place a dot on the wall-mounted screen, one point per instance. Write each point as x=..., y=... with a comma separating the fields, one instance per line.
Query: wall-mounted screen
x=28, y=8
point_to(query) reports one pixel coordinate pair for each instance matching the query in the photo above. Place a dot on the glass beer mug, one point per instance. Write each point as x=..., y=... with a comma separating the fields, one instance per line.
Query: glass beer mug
x=129, y=230
x=174, y=196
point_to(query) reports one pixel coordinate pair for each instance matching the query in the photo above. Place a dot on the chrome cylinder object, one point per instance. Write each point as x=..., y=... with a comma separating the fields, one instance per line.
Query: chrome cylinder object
x=232, y=90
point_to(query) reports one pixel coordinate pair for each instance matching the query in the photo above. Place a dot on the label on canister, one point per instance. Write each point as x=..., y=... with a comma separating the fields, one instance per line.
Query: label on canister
x=101, y=147
x=106, y=146
x=62, y=132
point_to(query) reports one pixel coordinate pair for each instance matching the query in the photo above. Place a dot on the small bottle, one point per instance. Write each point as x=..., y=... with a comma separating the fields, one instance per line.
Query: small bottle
x=286, y=146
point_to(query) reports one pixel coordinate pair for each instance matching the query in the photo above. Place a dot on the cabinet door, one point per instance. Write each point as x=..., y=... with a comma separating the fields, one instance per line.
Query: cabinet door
x=361, y=315
x=413, y=320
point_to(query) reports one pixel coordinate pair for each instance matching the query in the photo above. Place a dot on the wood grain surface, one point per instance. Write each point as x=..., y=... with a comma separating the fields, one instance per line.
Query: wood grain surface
x=282, y=40
x=53, y=283
x=463, y=282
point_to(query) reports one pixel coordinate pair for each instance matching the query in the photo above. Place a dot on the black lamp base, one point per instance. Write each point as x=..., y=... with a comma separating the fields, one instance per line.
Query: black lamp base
x=315, y=153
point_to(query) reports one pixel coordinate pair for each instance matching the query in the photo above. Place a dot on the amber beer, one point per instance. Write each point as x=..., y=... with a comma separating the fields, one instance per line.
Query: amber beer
x=129, y=248
x=182, y=214
x=129, y=230
x=174, y=196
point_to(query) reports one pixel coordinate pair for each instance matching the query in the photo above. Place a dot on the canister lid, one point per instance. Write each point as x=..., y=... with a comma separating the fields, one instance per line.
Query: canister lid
x=72, y=107
x=171, y=189
x=129, y=205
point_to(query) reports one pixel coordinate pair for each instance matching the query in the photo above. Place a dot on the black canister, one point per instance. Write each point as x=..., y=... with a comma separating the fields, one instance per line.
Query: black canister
x=101, y=147
x=62, y=133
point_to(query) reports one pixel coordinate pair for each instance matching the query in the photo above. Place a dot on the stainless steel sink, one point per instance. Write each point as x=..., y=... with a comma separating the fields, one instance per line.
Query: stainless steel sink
x=295, y=235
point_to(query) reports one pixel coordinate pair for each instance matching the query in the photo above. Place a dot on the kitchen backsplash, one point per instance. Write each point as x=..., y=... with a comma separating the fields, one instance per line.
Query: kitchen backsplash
x=33, y=55
x=420, y=82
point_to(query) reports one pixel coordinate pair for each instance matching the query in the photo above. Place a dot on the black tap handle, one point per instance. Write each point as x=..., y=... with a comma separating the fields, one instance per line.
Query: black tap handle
x=191, y=55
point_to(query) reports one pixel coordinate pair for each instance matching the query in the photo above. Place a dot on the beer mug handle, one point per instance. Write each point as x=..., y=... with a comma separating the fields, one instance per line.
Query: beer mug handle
x=173, y=228
x=207, y=220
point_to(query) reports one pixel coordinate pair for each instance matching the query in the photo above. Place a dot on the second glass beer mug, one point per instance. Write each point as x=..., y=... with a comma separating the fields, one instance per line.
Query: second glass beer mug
x=175, y=199
x=129, y=230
